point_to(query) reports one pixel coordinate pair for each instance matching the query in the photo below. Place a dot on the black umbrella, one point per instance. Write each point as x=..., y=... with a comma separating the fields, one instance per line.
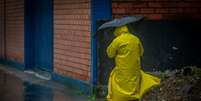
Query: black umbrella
x=120, y=22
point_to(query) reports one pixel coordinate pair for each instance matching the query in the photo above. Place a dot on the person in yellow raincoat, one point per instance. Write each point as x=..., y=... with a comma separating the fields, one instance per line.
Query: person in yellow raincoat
x=127, y=82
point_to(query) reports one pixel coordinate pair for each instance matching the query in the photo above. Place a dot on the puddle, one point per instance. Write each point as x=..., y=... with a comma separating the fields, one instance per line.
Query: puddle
x=14, y=89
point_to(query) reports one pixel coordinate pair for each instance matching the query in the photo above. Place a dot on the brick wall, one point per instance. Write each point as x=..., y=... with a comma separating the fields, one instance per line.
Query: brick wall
x=157, y=9
x=15, y=30
x=1, y=29
x=72, y=38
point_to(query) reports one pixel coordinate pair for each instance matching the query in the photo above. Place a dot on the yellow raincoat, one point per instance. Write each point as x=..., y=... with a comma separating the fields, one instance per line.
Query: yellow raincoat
x=127, y=81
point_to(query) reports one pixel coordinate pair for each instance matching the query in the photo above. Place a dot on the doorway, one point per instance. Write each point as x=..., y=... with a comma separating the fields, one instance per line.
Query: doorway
x=39, y=35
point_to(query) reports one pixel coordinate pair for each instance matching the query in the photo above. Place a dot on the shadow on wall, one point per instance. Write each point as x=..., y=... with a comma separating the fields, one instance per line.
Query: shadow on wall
x=170, y=44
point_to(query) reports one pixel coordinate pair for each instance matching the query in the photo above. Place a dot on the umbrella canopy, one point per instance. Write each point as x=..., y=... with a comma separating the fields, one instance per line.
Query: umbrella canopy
x=120, y=22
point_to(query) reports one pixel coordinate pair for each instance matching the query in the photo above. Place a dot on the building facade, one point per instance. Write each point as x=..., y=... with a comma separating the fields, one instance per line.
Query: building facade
x=58, y=36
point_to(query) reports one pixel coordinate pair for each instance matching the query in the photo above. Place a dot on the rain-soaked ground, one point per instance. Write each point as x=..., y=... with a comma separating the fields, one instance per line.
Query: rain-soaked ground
x=16, y=85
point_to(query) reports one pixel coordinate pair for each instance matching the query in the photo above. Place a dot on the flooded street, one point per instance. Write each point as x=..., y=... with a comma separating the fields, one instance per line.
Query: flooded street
x=13, y=88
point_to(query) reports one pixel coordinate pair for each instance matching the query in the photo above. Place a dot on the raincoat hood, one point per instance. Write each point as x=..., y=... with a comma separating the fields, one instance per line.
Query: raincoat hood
x=121, y=30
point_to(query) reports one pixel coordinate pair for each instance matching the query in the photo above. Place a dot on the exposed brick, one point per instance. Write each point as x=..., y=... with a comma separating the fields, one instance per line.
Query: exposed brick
x=147, y=10
x=74, y=6
x=190, y=4
x=114, y=5
x=15, y=56
x=134, y=11
x=140, y=5
x=70, y=32
x=72, y=17
x=124, y=5
x=59, y=55
x=81, y=75
x=69, y=67
x=155, y=4
x=171, y=16
x=15, y=30
x=72, y=11
x=171, y=4
x=120, y=10
x=72, y=38
x=72, y=27
x=73, y=22
x=73, y=43
x=82, y=60
x=161, y=9
x=155, y=16
x=191, y=10
x=175, y=10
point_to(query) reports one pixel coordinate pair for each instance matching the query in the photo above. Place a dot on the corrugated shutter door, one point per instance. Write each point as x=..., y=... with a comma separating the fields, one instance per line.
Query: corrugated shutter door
x=1, y=29
x=72, y=38
x=15, y=30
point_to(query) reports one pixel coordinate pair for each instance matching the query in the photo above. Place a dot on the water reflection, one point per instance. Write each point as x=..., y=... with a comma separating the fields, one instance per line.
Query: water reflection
x=11, y=88
x=14, y=89
x=33, y=92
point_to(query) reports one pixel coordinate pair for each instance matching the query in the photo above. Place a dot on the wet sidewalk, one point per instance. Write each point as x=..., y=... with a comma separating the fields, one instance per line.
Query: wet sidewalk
x=16, y=85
